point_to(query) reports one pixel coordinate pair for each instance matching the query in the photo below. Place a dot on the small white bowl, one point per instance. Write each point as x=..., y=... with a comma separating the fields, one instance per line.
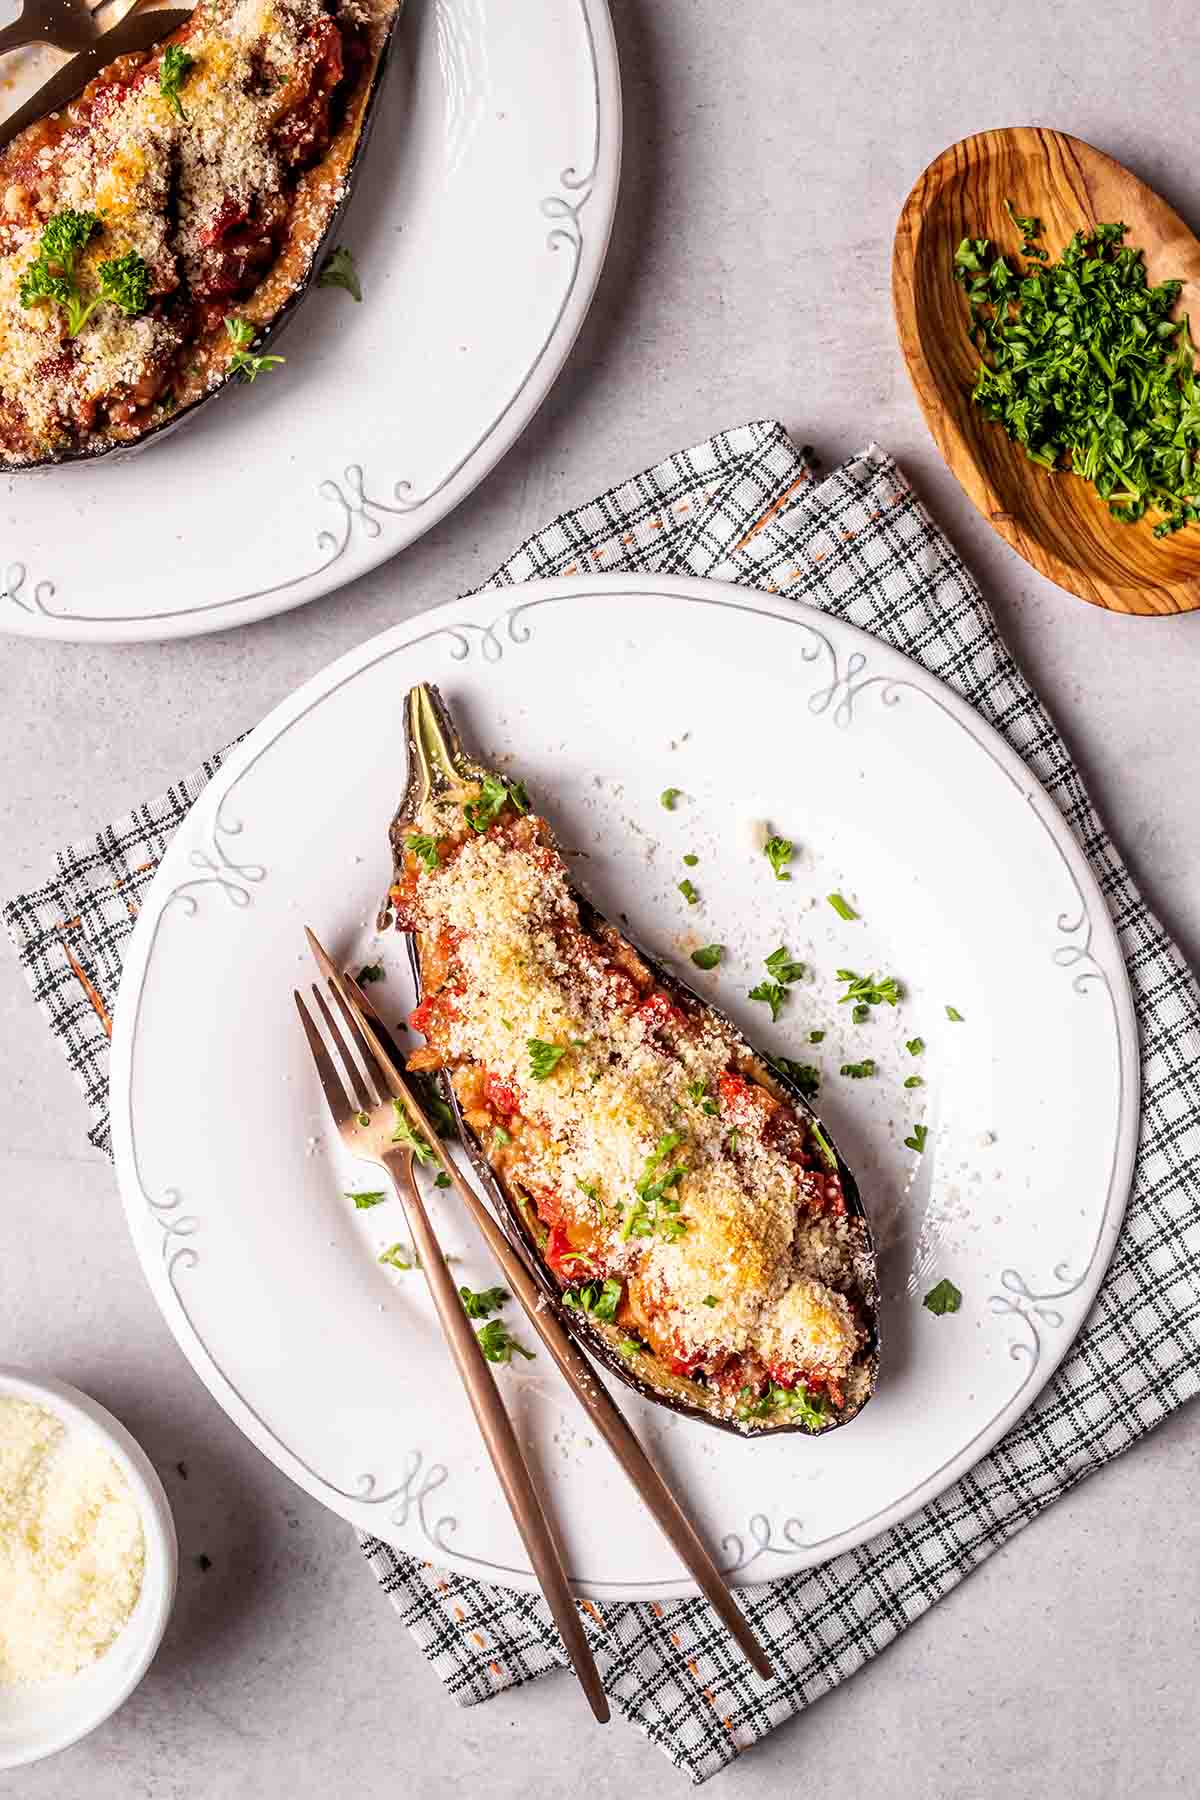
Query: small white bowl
x=40, y=1718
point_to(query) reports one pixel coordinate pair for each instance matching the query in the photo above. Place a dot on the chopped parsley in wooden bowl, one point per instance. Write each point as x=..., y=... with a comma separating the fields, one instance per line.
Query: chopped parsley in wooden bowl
x=1080, y=440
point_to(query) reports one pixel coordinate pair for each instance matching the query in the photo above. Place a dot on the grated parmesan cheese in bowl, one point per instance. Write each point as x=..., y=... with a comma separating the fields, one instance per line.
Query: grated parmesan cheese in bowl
x=71, y=1548
x=88, y=1562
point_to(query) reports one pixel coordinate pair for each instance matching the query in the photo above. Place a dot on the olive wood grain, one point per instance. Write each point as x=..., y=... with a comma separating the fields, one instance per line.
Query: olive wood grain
x=1057, y=522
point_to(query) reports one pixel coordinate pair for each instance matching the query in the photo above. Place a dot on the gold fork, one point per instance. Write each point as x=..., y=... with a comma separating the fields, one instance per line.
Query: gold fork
x=605, y=1414
x=365, y=1123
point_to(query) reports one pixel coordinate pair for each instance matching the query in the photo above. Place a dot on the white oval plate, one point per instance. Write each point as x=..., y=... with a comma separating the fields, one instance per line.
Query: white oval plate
x=479, y=225
x=601, y=692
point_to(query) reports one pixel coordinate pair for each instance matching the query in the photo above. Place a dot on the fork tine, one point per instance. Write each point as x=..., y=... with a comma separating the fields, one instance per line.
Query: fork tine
x=335, y=1093
x=356, y=1032
x=358, y=1081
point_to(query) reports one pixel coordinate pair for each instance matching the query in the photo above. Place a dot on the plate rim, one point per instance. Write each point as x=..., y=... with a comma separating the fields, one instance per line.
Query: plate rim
x=23, y=610
x=470, y=615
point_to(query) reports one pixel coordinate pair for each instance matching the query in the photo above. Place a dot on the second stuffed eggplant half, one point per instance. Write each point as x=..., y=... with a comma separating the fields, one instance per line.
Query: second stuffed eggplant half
x=680, y=1203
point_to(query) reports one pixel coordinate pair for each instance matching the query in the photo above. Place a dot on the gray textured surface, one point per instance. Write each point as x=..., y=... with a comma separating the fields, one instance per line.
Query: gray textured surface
x=768, y=151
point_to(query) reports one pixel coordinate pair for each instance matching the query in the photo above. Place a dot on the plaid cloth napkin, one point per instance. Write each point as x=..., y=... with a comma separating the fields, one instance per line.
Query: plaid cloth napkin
x=744, y=506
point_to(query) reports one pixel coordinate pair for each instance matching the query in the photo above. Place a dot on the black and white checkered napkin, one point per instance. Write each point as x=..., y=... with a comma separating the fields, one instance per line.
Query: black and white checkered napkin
x=745, y=507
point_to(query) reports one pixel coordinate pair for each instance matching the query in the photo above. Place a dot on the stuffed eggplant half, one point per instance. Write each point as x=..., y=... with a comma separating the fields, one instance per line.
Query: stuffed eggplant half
x=155, y=234
x=680, y=1203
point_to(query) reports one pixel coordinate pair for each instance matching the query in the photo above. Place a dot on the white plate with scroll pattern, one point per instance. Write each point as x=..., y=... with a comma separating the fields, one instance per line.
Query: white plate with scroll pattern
x=479, y=225
x=601, y=692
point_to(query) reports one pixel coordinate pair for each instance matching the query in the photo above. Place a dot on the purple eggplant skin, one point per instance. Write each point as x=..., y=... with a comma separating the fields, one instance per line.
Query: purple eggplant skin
x=265, y=337
x=436, y=759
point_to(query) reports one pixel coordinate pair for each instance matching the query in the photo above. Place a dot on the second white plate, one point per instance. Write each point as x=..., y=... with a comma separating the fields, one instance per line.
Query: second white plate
x=479, y=225
x=601, y=692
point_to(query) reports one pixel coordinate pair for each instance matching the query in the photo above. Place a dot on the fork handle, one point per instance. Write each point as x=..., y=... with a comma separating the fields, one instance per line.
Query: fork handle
x=500, y=1438
x=621, y=1439
x=18, y=34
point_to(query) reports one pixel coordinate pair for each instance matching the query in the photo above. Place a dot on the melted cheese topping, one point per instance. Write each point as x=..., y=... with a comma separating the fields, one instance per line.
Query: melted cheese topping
x=752, y=1267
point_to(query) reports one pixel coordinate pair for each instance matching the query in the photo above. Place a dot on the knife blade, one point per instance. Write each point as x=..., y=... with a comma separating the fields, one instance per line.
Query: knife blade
x=136, y=33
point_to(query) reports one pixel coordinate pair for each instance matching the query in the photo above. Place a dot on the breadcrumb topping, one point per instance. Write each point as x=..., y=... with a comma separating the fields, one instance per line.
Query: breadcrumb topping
x=756, y=1258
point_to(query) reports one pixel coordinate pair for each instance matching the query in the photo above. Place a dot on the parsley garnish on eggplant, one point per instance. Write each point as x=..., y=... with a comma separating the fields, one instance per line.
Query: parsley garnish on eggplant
x=589, y=1288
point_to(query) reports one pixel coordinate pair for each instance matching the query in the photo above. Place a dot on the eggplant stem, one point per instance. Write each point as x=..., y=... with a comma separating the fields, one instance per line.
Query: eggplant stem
x=427, y=736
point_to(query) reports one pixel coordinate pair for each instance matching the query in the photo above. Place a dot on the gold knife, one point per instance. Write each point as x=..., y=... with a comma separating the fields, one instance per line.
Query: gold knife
x=136, y=33
x=603, y=1410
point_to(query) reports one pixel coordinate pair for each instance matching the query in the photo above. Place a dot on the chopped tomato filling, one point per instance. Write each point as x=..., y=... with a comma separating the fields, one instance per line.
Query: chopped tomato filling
x=659, y=1012
x=571, y=1264
x=494, y=1105
x=502, y=1096
x=745, y=1101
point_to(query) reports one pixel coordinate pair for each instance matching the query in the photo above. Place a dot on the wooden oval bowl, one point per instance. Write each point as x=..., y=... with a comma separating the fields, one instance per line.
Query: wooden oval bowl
x=1057, y=522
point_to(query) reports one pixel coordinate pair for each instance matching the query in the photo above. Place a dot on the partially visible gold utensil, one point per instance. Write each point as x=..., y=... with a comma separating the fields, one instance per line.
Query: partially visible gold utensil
x=365, y=1121
x=131, y=33
x=580, y=1376
x=66, y=24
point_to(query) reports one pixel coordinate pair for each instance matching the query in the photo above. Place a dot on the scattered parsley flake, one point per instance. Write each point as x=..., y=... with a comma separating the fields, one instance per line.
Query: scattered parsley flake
x=823, y=1144
x=915, y=1046
x=954, y=1016
x=708, y=956
x=498, y=1343
x=424, y=848
x=801, y=1075
x=841, y=906
x=917, y=1140
x=792, y=1403
x=780, y=966
x=711, y=1300
x=441, y=1179
x=51, y=274
x=173, y=71
x=779, y=851
x=363, y=1201
x=629, y=1347
x=861, y=1014
x=240, y=333
x=669, y=796
x=599, y=1299
x=338, y=270
x=944, y=1298
x=368, y=973
x=483, y=1304
x=772, y=993
x=816, y=1037
x=399, y=1256
x=869, y=990
x=860, y=1070
x=688, y=890
x=439, y=1110
x=913, y=1081
x=403, y=1133
x=494, y=796
x=655, y=1210
x=544, y=1058
x=125, y=281
x=691, y=860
